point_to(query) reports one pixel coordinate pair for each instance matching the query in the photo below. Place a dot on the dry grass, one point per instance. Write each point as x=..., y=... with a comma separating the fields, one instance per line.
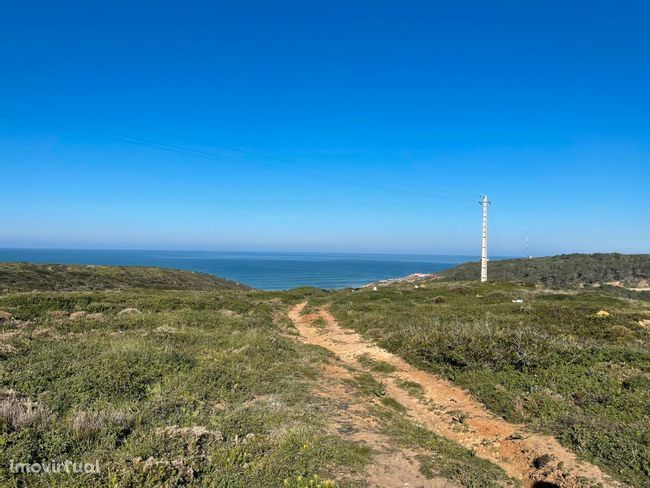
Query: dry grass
x=19, y=412
x=86, y=424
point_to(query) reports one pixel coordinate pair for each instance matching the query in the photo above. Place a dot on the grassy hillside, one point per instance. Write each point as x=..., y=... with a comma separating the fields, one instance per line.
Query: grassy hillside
x=28, y=277
x=213, y=388
x=567, y=270
x=185, y=388
x=552, y=361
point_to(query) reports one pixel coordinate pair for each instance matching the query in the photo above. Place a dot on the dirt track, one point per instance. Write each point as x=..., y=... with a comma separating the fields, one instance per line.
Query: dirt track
x=443, y=407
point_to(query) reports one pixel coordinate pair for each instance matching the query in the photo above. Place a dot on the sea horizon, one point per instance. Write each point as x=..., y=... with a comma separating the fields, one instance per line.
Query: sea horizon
x=265, y=270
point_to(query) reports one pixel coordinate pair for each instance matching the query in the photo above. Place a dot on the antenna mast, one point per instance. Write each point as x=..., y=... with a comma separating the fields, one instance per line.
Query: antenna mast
x=484, y=258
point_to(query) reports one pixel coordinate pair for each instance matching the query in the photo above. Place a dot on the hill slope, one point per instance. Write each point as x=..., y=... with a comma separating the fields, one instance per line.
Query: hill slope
x=57, y=277
x=628, y=270
x=245, y=388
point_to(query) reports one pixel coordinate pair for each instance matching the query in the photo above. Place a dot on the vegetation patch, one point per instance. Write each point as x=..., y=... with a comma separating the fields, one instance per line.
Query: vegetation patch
x=411, y=387
x=550, y=361
x=567, y=270
x=375, y=365
x=179, y=393
x=28, y=276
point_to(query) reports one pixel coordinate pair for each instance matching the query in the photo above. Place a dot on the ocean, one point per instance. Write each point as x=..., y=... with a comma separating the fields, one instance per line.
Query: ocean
x=263, y=270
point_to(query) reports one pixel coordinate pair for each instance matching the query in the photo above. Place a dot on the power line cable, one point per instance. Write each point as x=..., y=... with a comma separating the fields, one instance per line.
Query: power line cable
x=243, y=151
x=337, y=177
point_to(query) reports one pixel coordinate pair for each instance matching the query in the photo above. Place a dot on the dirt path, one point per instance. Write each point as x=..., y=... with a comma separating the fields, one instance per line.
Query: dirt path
x=450, y=412
x=351, y=419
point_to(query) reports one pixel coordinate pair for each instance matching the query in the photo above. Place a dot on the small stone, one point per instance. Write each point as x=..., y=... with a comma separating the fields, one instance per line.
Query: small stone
x=129, y=311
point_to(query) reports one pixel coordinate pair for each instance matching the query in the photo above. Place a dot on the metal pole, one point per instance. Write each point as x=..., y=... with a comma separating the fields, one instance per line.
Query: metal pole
x=484, y=257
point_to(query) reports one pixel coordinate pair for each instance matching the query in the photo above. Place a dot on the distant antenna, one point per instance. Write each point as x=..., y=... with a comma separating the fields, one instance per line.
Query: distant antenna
x=484, y=257
x=527, y=250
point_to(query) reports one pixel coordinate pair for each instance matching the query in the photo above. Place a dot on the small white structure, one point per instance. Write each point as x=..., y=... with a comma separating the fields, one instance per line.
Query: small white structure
x=484, y=258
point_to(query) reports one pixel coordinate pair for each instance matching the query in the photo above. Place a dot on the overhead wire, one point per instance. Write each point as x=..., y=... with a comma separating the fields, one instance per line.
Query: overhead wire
x=326, y=174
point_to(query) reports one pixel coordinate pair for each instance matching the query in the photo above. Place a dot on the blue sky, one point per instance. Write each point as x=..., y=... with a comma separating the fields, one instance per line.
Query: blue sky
x=325, y=126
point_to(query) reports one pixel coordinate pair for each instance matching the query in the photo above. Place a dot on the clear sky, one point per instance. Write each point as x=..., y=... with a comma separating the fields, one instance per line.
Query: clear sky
x=325, y=126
